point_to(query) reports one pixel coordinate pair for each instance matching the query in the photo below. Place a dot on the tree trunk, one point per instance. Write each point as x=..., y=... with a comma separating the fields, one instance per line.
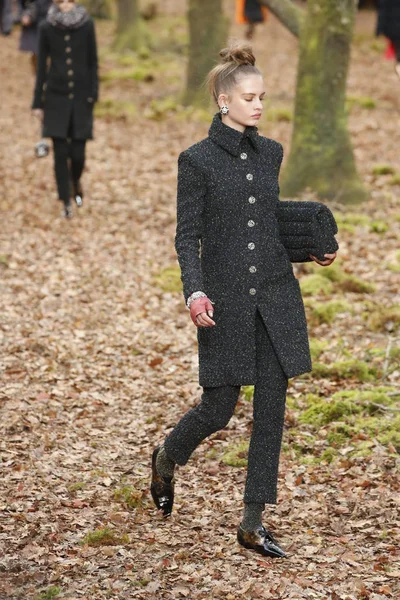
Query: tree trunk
x=321, y=156
x=288, y=13
x=132, y=33
x=208, y=29
x=100, y=9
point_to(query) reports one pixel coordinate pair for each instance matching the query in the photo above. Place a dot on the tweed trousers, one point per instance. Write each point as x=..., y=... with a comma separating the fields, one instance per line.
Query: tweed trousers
x=216, y=409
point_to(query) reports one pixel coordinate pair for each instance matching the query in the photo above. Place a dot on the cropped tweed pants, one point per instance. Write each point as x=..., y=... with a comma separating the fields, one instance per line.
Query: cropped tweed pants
x=216, y=409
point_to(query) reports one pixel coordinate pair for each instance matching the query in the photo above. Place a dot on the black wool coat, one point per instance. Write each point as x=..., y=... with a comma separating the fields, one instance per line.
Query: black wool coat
x=67, y=88
x=389, y=19
x=228, y=246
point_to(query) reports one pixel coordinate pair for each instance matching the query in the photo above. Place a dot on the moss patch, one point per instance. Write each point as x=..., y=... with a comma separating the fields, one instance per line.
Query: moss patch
x=379, y=227
x=346, y=369
x=360, y=101
x=315, y=284
x=104, y=536
x=114, y=109
x=49, y=594
x=236, y=455
x=384, y=319
x=325, y=312
x=317, y=347
x=383, y=170
x=279, y=115
x=169, y=279
x=129, y=496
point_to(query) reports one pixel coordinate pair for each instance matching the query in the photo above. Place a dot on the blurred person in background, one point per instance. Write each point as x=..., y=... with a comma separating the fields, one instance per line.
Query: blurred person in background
x=250, y=12
x=6, y=17
x=33, y=13
x=389, y=26
x=65, y=92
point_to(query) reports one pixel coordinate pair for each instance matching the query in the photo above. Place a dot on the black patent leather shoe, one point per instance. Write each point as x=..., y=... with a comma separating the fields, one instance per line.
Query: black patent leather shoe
x=162, y=488
x=261, y=541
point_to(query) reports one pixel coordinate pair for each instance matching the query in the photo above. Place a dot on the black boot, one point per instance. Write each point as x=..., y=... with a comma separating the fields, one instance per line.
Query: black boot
x=261, y=540
x=67, y=210
x=162, y=488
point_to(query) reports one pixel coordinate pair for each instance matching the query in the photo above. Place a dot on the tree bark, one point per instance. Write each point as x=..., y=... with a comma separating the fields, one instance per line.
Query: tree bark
x=208, y=29
x=132, y=33
x=288, y=13
x=100, y=9
x=321, y=155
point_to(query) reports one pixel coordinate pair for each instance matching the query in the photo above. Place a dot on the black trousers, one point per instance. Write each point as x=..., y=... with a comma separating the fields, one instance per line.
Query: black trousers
x=216, y=408
x=69, y=162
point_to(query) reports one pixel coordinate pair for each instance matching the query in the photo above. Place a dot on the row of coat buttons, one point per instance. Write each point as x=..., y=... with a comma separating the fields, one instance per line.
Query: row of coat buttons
x=250, y=223
x=70, y=73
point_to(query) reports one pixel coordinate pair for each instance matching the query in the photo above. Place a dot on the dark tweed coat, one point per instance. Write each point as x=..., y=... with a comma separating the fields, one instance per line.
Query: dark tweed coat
x=389, y=19
x=67, y=89
x=228, y=246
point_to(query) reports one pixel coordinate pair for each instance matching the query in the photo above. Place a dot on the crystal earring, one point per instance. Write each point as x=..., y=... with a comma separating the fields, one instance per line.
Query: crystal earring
x=224, y=110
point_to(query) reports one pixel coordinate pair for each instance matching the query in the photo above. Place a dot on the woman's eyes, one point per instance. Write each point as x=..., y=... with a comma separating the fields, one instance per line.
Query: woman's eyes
x=250, y=99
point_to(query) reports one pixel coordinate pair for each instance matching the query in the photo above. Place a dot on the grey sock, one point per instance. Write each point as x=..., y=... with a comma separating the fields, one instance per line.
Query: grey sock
x=252, y=516
x=165, y=466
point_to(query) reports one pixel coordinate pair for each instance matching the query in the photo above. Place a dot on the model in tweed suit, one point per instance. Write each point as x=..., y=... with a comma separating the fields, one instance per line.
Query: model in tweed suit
x=243, y=296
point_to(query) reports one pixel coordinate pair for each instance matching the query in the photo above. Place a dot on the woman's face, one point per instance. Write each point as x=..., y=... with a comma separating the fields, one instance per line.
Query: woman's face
x=65, y=5
x=244, y=102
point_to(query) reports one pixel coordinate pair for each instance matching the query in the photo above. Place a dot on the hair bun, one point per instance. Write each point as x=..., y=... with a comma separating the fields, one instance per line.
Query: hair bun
x=238, y=54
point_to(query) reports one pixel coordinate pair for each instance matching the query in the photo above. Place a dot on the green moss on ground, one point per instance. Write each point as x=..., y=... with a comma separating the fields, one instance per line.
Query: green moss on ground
x=395, y=180
x=49, y=594
x=314, y=284
x=114, y=109
x=236, y=454
x=169, y=279
x=104, y=536
x=247, y=392
x=360, y=101
x=379, y=227
x=325, y=312
x=317, y=347
x=346, y=369
x=129, y=496
x=383, y=170
x=384, y=319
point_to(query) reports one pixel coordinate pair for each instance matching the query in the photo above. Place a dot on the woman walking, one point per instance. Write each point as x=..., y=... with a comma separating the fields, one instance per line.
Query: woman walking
x=240, y=289
x=66, y=91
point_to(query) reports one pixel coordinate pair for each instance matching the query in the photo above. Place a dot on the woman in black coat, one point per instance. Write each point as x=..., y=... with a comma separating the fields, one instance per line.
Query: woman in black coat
x=241, y=291
x=389, y=25
x=66, y=91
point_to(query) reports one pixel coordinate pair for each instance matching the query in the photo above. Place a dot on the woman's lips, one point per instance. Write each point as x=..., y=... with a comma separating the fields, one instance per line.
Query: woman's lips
x=255, y=116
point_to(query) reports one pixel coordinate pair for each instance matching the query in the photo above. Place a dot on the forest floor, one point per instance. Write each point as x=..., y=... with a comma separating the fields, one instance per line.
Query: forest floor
x=98, y=357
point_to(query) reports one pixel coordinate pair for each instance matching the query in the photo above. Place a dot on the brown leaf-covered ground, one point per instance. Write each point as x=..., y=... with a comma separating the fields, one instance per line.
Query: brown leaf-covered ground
x=98, y=358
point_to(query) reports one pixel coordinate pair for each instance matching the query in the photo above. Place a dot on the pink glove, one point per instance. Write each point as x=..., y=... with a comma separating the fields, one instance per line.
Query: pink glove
x=199, y=307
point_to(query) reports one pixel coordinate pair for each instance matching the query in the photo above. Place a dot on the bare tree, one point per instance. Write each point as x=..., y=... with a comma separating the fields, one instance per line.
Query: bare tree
x=132, y=32
x=321, y=156
x=208, y=29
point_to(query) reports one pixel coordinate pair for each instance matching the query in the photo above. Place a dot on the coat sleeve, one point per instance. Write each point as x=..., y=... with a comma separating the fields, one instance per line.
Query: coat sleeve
x=41, y=73
x=190, y=205
x=93, y=63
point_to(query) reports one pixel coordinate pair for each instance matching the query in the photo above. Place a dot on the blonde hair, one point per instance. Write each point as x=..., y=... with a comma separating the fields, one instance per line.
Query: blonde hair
x=237, y=60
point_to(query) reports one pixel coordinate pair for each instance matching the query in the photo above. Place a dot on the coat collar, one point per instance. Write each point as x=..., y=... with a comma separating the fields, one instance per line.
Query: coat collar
x=230, y=139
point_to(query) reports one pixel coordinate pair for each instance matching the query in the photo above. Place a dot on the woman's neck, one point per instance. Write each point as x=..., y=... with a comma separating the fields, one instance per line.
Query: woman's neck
x=233, y=124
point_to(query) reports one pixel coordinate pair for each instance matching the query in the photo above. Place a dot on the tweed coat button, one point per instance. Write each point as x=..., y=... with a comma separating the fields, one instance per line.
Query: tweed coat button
x=67, y=38
x=251, y=223
x=69, y=61
x=70, y=96
x=252, y=199
x=70, y=84
x=252, y=291
x=253, y=269
x=243, y=156
x=68, y=49
x=251, y=245
x=249, y=176
x=70, y=73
